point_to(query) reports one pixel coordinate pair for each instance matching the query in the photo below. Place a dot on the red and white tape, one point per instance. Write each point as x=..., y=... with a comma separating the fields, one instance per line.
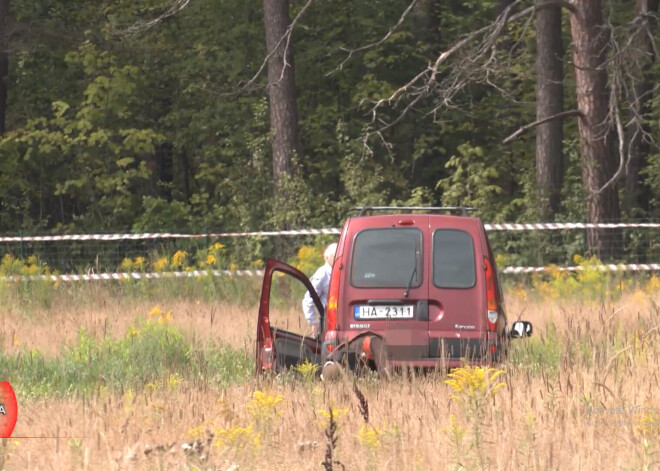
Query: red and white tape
x=165, y=235
x=132, y=275
x=300, y=232
x=627, y=267
x=202, y=273
x=541, y=226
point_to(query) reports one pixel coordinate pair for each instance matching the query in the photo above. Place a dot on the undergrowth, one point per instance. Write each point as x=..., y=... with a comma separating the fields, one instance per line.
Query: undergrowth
x=150, y=351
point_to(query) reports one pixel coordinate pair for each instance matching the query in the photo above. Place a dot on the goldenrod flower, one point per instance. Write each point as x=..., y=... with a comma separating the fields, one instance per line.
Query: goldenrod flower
x=156, y=311
x=369, y=436
x=238, y=437
x=179, y=258
x=126, y=264
x=264, y=404
x=139, y=262
x=165, y=318
x=132, y=331
x=470, y=382
x=336, y=414
x=161, y=264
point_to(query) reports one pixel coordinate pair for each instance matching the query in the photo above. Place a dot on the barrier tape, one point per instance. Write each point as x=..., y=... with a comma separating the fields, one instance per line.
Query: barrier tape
x=567, y=225
x=133, y=275
x=111, y=237
x=297, y=232
x=628, y=267
x=201, y=273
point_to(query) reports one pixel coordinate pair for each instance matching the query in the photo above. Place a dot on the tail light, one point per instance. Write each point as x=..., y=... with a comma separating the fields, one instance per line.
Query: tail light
x=267, y=355
x=491, y=296
x=330, y=340
x=333, y=298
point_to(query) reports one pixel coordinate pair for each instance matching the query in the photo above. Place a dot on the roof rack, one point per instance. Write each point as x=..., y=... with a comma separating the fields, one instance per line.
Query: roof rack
x=462, y=209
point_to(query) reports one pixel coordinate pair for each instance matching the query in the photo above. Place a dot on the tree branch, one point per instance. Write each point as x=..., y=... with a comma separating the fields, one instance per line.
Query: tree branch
x=142, y=26
x=522, y=129
x=377, y=43
x=426, y=81
x=285, y=37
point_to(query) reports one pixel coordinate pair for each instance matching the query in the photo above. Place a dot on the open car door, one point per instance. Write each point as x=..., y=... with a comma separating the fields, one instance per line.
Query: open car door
x=278, y=349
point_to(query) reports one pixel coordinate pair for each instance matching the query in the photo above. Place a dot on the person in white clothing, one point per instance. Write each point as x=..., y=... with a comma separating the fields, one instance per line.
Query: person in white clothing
x=321, y=281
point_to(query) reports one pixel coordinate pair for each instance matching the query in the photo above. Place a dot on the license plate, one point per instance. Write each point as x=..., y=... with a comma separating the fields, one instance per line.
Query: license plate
x=383, y=312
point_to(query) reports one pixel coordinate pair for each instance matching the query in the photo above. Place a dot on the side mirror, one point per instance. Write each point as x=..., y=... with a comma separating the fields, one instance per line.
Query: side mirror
x=520, y=329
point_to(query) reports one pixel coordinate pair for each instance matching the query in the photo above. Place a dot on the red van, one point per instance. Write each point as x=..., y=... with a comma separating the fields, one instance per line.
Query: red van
x=410, y=286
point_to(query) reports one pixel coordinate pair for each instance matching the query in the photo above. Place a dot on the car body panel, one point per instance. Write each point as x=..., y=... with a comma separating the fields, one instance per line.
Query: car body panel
x=431, y=278
x=277, y=349
x=405, y=338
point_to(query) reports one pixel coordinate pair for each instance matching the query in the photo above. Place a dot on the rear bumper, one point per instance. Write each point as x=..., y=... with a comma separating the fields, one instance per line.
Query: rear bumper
x=439, y=352
x=442, y=364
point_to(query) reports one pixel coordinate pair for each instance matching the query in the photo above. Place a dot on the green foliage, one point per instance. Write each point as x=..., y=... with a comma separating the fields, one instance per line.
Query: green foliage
x=149, y=352
x=471, y=182
x=123, y=128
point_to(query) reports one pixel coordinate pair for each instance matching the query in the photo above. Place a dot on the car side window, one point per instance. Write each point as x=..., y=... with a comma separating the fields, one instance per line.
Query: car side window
x=453, y=259
x=387, y=258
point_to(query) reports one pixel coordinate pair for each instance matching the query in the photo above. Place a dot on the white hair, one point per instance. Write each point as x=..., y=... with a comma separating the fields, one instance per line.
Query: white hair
x=330, y=250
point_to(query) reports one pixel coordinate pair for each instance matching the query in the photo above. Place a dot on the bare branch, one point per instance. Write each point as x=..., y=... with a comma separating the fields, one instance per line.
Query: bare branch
x=285, y=37
x=374, y=44
x=522, y=129
x=142, y=26
x=473, y=67
x=625, y=74
x=614, y=109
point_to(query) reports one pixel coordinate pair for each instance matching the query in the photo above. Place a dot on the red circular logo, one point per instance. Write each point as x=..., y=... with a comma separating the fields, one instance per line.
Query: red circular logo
x=8, y=409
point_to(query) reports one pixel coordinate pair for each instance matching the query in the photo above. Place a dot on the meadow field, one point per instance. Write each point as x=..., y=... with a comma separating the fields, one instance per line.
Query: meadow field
x=160, y=376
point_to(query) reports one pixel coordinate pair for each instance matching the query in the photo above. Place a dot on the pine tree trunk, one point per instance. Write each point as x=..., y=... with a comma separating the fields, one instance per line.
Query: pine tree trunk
x=4, y=62
x=596, y=136
x=281, y=88
x=640, y=93
x=549, y=102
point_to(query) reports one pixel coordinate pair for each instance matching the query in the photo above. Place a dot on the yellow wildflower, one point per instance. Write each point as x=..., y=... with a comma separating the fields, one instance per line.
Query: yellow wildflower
x=126, y=264
x=139, y=262
x=238, y=437
x=474, y=382
x=264, y=404
x=165, y=318
x=161, y=264
x=132, y=331
x=369, y=436
x=179, y=258
x=325, y=416
x=156, y=311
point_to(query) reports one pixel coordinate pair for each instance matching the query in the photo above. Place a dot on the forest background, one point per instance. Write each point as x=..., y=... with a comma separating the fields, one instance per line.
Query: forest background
x=226, y=115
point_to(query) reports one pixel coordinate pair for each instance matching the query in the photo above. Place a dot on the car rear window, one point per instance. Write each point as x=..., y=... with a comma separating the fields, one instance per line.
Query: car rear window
x=387, y=258
x=453, y=259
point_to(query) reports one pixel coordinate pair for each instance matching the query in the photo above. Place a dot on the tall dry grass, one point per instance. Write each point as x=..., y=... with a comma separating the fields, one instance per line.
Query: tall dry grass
x=567, y=402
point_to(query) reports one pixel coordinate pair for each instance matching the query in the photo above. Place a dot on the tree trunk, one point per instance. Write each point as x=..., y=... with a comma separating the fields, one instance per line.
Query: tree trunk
x=281, y=88
x=595, y=129
x=639, y=97
x=4, y=62
x=549, y=102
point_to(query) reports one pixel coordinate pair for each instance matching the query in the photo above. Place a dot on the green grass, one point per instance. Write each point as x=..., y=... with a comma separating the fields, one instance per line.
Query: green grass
x=150, y=352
